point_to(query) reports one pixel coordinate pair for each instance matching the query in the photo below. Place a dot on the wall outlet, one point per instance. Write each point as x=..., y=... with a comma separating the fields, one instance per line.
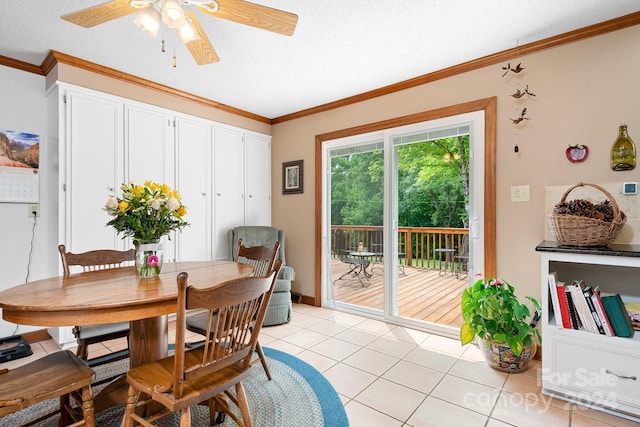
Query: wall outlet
x=33, y=210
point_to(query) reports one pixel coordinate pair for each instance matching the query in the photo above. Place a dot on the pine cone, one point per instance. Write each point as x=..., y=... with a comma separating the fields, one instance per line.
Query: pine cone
x=579, y=207
x=606, y=209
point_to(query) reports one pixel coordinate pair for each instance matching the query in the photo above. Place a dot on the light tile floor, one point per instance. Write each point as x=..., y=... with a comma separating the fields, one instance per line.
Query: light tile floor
x=393, y=376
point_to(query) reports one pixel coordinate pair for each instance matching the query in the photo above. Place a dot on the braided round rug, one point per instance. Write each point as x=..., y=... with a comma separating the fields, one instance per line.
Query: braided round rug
x=298, y=395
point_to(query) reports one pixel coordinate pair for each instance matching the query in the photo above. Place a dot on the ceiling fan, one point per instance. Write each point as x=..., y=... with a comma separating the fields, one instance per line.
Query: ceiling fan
x=152, y=13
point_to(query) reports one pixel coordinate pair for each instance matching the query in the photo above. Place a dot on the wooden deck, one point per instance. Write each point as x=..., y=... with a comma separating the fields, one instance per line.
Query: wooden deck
x=423, y=294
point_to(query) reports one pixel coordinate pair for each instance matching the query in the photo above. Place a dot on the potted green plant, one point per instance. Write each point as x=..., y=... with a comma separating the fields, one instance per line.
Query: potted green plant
x=493, y=313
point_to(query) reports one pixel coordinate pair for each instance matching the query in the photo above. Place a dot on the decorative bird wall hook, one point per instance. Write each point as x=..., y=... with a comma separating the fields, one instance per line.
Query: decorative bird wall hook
x=520, y=94
x=521, y=118
x=516, y=70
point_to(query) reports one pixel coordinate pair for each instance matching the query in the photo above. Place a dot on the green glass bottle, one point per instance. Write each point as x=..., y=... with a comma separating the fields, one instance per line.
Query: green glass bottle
x=623, y=152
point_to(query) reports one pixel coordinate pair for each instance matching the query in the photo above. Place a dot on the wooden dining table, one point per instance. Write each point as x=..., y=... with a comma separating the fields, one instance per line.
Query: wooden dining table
x=115, y=295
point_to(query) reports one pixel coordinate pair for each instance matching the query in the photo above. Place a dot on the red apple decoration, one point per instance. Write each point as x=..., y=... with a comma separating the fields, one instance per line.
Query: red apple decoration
x=577, y=153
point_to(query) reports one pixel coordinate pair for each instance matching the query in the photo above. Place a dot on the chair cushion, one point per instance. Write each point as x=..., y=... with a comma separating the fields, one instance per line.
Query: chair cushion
x=282, y=286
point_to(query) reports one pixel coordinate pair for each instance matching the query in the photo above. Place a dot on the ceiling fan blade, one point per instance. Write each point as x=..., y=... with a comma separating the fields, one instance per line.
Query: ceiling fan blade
x=101, y=13
x=255, y=15
x=201, y=49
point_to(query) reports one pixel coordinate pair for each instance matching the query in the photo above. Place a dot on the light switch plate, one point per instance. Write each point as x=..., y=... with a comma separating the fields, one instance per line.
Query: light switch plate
x=520, y=193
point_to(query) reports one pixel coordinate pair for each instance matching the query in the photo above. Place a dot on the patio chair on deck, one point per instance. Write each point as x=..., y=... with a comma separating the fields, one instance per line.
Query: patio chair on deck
x=462, y=258
x=342, y=251
x=377, y=240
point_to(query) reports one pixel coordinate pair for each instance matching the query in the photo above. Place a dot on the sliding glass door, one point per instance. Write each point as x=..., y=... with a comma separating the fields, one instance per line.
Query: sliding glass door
x=401, y=215
x=355, y=211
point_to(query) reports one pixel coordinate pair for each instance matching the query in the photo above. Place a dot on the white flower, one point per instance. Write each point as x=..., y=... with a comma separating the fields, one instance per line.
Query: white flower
x=173, y=203
x=155, y=204
x=112, y=205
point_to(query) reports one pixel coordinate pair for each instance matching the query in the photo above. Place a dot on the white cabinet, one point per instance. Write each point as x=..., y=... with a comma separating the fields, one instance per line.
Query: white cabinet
x=228, y=179
x=149, y=145
x=581, y=366
x=223, y=173
x=148, y=152
x=193, y=176
x=257, y=188
x=90, y=170
x=242, y=183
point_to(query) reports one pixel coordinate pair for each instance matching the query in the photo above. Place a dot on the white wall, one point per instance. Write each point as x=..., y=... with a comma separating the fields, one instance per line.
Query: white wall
x=23, y=108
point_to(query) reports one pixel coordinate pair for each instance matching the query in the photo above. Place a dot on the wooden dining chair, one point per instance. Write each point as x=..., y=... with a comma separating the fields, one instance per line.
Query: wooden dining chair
x=236, y=310
x=262, y=259
x=88, y=261
x=60, y=374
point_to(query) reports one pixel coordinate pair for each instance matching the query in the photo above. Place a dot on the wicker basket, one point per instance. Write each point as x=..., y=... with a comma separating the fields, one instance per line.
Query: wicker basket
x=572, y=230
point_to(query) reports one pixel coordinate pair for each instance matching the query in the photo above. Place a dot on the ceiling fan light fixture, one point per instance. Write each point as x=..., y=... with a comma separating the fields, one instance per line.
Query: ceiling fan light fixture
x=149, y=20
x=187, y=33
x=139, y=4
x=172, y=14
x=211, y=6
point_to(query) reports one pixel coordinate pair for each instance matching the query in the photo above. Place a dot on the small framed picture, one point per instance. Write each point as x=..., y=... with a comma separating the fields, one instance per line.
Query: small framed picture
x=292, y=177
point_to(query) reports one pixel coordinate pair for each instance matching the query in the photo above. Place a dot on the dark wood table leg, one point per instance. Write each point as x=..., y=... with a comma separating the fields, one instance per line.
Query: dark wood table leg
x=148, y=341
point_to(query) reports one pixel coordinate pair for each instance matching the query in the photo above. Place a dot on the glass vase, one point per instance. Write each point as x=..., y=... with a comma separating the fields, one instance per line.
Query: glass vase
x=149, y=259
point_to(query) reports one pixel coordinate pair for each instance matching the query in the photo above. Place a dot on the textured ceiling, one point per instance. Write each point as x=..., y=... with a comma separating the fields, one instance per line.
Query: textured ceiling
x=340, y=48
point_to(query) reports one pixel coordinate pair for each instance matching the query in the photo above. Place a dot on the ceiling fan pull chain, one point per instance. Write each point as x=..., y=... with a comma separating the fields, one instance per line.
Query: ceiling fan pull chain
x=174, y=54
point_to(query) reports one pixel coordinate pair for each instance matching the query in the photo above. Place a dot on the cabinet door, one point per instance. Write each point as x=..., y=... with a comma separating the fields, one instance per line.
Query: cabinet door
x=149, y=145
x=228, y=184
x=193, y=175
x=93, y=135
x=149, y=153
x=257, y=179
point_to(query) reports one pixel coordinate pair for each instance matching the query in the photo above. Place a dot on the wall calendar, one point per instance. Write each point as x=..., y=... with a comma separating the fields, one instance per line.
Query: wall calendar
x=19, y=167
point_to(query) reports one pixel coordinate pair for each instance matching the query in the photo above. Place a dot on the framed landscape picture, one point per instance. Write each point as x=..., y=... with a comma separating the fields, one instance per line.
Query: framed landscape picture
x=292, y=177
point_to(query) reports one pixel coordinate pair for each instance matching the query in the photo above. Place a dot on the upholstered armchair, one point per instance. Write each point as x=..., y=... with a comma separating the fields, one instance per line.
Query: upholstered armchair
x=280, y=307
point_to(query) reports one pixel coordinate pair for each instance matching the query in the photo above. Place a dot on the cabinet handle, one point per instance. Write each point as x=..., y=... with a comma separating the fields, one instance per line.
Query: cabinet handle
x=218, y=194
x=250, y=196
x=624, y=377
x=111, y=189
x=204, y=194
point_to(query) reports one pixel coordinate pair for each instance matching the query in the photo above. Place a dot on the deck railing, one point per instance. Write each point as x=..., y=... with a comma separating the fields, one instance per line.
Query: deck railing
x=422, y=247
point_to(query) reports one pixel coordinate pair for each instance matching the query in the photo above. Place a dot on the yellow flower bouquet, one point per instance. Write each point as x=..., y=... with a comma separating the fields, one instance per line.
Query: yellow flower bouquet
x=146, y=213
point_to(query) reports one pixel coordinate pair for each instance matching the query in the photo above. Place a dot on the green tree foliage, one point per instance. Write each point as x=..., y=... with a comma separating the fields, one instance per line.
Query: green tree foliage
x=433, y=183
x=357, y=189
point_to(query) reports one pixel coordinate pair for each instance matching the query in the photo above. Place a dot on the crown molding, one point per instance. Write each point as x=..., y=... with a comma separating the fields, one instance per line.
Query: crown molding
x=63, y=58
x=21, y=65
x=506, y=55
x=55, y=57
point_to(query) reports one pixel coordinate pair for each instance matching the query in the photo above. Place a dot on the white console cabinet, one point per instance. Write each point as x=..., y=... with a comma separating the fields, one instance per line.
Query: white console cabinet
x=579, y=366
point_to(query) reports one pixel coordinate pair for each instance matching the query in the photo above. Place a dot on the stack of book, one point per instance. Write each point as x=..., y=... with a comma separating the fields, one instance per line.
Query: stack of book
x=579, y=306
